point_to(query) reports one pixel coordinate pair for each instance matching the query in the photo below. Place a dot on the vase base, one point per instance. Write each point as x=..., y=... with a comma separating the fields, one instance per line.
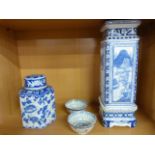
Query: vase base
x=118, y=116
x=110, y=124
x=118, y=119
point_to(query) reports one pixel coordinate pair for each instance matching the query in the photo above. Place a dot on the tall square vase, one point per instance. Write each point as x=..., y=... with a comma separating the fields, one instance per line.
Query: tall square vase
x=119, y=60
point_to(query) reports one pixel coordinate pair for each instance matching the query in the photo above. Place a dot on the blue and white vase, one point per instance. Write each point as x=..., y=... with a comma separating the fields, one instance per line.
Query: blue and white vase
x=37, y=102
x=119, y=59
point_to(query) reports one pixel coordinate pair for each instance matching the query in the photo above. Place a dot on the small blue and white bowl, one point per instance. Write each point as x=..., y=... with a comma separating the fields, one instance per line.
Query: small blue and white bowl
x=82, y=122
x=75, y=105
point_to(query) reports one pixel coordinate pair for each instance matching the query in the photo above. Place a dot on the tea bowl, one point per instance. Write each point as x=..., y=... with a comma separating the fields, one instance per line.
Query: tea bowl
x=82, y=122
x=75, y=105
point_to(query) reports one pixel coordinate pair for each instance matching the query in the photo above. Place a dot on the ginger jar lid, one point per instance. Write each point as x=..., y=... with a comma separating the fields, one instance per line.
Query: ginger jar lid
x=36, y=81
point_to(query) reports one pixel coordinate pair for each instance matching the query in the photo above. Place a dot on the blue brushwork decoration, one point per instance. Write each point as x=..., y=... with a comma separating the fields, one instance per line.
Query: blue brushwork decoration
x=119, y=61
x=30, y=109
x=37, y=102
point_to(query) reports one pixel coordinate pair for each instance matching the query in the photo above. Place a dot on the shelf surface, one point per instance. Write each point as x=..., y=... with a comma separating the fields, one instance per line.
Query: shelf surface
x=13, y=125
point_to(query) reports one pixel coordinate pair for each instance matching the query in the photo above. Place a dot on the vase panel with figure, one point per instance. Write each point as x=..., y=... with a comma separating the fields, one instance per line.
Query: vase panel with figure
x=122, y=74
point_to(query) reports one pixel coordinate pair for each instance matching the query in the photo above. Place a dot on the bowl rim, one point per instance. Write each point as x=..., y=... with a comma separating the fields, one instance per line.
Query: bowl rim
x=76, y=109
x=86, y=112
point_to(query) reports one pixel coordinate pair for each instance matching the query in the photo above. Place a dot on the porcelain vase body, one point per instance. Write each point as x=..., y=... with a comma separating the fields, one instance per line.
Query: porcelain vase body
x=119, y=59
x=37, y=102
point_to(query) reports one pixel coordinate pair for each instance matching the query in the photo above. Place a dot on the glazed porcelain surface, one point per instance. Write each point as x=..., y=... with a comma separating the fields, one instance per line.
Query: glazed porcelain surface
x=119, y=59
x=75, y=105
x=82, y=122
x=37, y=102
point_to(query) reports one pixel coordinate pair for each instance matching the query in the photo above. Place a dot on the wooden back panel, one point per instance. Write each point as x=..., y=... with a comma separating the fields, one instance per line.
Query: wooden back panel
x=70, y=64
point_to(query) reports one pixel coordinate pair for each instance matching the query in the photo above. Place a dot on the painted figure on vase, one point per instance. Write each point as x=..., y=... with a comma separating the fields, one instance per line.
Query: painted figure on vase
x=122, y=77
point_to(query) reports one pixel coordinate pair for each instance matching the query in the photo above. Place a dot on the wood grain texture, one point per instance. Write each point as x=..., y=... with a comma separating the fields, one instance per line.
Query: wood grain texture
x=13, y=125
x=10, y=80
x=51, y=24
x=146, y=83
x=48, y=34
x=71, y=65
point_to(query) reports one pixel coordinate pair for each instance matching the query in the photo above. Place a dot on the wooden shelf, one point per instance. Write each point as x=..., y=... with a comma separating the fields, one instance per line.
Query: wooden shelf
x=68, y=53
x=13, y=125
x=51, y=24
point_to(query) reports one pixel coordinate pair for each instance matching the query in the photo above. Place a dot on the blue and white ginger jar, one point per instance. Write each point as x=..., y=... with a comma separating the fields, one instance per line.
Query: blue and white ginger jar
x=37, y=102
